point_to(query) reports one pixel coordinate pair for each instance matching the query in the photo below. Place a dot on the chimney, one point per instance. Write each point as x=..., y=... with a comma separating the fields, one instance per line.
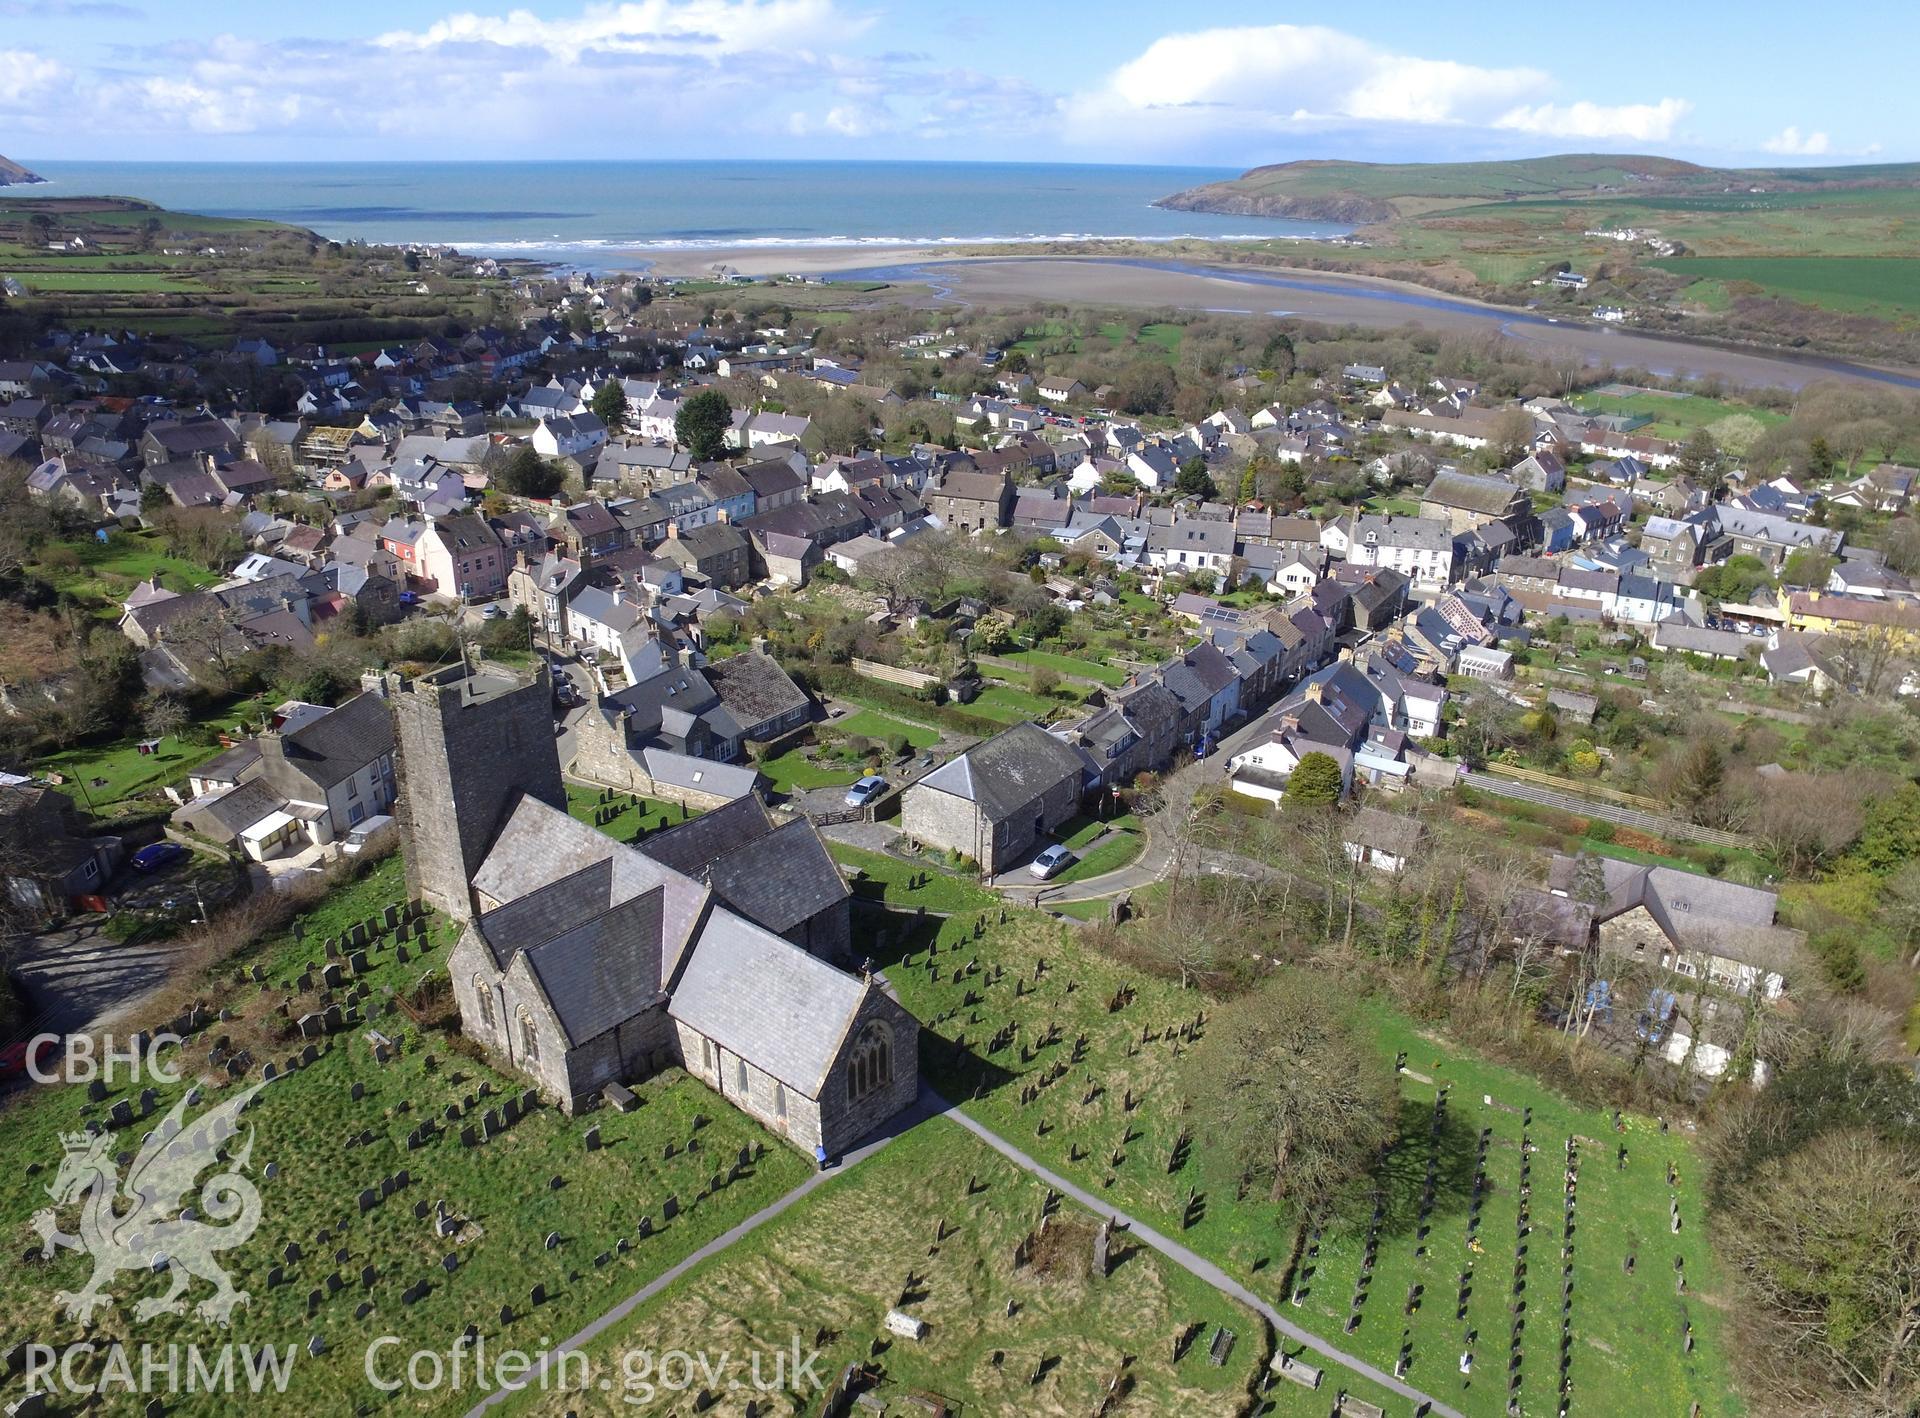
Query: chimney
x=1317, y=692
x=673, y=531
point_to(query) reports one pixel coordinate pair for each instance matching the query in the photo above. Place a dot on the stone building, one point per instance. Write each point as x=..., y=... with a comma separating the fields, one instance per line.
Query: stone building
x=587, y=961
x=1000, y=799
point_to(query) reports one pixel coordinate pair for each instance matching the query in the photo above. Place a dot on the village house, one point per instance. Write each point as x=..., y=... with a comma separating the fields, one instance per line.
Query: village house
x=999, y=801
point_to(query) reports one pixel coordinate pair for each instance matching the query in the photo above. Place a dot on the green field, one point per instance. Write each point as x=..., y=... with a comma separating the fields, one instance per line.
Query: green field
x=107, y=777
x=103, y=573
x=1004, y=704
x=142, y=282
x=1067, y=665
x=877, y=726
x=838, y=1262
x=1626, y=1328
x=1113, y=852
x=1673, y=416
x=1877, y=285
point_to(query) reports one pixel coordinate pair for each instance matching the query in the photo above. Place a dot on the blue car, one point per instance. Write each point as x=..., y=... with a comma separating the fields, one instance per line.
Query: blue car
x=160, y=855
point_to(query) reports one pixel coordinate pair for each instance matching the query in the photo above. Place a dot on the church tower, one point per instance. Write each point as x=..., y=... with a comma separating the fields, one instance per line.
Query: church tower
x=468, y=743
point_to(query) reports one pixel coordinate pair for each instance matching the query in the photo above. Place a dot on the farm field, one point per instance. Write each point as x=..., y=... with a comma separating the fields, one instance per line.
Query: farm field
x=1877, y=285
x=1112, y=1124
x=833, y=1266
x=1673, y=416
x=328, y=1146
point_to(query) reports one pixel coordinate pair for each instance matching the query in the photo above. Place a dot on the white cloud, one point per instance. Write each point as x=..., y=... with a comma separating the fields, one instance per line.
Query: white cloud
x=1238, y=86
x=1279, y=75
x=26, y=76
x=647, y=27
x=1791, y=141
x=1640, y=122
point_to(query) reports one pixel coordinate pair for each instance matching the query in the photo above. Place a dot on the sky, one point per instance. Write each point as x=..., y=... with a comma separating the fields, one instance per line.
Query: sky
x=1230, y=84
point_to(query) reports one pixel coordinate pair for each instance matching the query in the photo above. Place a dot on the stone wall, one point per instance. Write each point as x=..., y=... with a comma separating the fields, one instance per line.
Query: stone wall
x=844, y=1123
x=942, y=820
x=893, y=674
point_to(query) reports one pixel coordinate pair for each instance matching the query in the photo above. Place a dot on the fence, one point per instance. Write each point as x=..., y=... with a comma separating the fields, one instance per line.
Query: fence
x=892, y=674
x=1577, y=788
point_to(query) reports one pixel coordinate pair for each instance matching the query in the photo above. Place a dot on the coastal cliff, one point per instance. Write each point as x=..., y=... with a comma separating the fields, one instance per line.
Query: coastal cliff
x=1233, y=200
x=13, y=175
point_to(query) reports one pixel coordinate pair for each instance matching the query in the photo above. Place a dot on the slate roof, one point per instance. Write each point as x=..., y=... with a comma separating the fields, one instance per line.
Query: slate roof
x=342, y=741
x=604, y=971
x=1471, y=492
x=760, y=998
x=755, y=688
x=539, y=844
x=551, y=910
x=688, y=847
x=1695, y=912
x=1008, y=771
x=781, y=880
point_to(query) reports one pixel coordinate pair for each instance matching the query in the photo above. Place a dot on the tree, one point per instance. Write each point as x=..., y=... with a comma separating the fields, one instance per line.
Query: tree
x=1807, y=567
x=1698, y=780
x=1194, y=479
x=1702, y=463
x=610, y=404
x=703, y=424
x=508, y=633
x=166, y=715
x=1285, y=1096
x=527, y=474
x=1314, y=782
x=1510, y=435
x=1825, y=1242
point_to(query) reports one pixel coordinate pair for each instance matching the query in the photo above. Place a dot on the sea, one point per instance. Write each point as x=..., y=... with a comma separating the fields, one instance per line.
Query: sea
x=570, y=211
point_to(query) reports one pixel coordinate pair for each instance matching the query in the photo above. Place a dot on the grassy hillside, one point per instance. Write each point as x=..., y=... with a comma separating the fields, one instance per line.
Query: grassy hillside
x=1820, y=257
x=124, y=263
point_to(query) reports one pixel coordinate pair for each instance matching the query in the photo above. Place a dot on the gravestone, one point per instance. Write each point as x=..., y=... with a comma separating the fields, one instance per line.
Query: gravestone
x=593, y=1139
x=670, y=1208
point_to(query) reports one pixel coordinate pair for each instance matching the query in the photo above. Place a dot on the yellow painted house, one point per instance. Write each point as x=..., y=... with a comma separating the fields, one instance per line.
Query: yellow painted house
x=1853, y=615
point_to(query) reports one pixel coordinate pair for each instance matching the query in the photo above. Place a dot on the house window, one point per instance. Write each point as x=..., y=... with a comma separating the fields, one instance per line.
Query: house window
x=483, y=993
x=871, y=1064
x=355, y=812
x=529, y=1038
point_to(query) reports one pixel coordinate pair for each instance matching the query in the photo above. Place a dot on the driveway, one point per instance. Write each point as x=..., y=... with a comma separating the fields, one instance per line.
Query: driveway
x=77, y=978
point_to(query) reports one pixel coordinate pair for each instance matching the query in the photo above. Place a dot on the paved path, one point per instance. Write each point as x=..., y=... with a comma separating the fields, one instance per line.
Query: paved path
x=928, y=1104
x=1203, y=1269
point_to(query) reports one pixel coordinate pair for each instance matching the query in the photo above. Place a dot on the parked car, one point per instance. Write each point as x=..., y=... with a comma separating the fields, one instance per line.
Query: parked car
x=1051, y=861
x=866, y=790
x=157, y=857
x=45, y=1052
x=491, y=611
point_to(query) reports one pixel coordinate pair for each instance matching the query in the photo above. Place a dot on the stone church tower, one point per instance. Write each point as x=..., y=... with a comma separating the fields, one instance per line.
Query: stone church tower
x=468, y=743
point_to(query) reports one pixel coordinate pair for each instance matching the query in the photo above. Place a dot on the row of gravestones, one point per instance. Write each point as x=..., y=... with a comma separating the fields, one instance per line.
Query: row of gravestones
x=496, y=1120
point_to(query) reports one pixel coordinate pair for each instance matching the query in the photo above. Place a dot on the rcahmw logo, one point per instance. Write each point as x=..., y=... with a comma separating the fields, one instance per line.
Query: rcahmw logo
x=159, y=1368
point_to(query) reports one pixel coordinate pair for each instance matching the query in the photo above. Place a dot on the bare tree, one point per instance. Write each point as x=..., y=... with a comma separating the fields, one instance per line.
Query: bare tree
x=1286, y=1097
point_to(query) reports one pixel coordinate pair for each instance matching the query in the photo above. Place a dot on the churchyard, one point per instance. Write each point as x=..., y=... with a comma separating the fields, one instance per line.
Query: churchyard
x=1019, y=1318
x=407, y=1188
x=1486, y=1258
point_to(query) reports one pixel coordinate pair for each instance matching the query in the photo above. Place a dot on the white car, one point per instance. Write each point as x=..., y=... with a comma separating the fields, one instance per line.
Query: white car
x=1052, y=860
x=866, y=790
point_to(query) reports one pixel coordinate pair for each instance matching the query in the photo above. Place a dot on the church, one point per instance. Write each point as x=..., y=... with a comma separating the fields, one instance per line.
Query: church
x=720, y=945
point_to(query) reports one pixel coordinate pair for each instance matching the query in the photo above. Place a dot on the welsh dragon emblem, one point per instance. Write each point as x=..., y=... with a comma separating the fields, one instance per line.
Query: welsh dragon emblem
x=139, y=1224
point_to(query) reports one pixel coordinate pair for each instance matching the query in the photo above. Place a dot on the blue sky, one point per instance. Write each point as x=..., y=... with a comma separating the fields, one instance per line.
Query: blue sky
x=1230, y=84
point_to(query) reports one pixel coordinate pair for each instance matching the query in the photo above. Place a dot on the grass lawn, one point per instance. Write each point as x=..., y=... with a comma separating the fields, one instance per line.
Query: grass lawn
x=105, y=776
x=879, y=726
x=1083, y=830
x=887, y=878
x=634, y=816
x=499, y=1192
x=1112, y=854
x=1005, y=704
x=143, y=282
x=1626, y=1328
x=795, y=771
x=839, y=1260
x=1067, y=665
x=1673, y=416
x=106, y=571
